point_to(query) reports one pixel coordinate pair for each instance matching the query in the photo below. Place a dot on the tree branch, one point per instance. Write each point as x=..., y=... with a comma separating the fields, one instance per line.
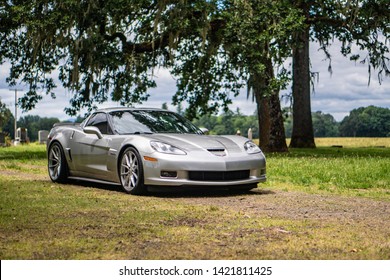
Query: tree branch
x=327, y=20
x=160, y=42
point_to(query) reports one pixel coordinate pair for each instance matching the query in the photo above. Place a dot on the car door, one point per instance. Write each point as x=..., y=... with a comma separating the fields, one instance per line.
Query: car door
x=90, y=153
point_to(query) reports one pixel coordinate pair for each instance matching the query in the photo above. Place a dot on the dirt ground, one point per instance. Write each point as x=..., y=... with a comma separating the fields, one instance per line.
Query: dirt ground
x=298, y=205
x=293, y=225
x=278, y=204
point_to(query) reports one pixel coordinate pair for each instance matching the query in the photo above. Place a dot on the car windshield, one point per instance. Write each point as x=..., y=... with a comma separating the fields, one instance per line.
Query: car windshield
x=147, y=121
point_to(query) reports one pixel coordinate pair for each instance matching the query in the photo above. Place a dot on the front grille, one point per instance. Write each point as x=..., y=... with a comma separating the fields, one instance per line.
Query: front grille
x=218, y=175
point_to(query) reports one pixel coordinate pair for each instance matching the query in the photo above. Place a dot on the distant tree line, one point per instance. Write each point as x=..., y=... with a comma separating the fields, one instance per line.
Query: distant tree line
x=35, y=124
x=368, y=121
x=6, y=120
x=229, y=123
x=32, y=123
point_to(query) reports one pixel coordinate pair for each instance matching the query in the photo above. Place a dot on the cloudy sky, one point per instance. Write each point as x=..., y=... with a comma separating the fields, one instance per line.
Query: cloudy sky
x=337, y=93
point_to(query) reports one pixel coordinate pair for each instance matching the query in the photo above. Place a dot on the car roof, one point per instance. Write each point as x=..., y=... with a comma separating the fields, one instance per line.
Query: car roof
x=112, y=109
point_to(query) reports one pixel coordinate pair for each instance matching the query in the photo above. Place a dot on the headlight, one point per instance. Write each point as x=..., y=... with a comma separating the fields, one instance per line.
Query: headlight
x=166, y=148
x=251, y=148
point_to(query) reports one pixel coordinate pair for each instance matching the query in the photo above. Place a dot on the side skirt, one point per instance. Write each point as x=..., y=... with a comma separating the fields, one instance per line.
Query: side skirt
x=93, y=180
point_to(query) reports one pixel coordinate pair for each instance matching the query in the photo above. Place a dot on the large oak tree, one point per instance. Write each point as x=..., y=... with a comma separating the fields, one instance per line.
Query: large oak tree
x=102, y=49
x=252, y=40
x=108, y=50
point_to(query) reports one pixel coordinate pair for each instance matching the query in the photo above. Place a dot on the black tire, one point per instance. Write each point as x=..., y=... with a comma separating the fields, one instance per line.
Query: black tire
x=57, y=166
x=131, y=172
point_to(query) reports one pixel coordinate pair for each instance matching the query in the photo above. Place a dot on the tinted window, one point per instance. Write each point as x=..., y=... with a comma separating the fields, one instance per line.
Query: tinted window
x=99, y=120
x=145, y=121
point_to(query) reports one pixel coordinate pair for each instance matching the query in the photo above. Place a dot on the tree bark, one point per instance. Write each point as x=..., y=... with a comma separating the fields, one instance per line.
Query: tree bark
x=263, y=117
x=277, y=141
x=302, y=132
x=272, y=136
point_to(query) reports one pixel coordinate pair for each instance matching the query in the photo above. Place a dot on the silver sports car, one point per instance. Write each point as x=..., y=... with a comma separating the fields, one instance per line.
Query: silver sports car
x=137, y=148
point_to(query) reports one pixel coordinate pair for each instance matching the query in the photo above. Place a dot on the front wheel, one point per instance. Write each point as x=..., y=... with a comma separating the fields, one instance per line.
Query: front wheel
x=57, y=166
x=131, y=172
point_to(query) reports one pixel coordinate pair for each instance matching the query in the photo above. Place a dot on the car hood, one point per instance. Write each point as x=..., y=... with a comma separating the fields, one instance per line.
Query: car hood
x=193, y=142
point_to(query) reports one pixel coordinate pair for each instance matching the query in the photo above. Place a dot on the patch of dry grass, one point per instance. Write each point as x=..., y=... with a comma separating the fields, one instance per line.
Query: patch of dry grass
x=42, y=220
x=49, y=221
x=350, y=142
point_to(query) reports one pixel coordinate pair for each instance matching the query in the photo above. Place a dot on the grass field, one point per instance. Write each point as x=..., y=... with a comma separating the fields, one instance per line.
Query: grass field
x=324, y=203
x=347, y=171
x=347, y=142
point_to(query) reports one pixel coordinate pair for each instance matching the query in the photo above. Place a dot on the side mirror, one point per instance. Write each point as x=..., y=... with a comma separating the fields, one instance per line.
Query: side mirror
x=93, y=130
x=204, y=130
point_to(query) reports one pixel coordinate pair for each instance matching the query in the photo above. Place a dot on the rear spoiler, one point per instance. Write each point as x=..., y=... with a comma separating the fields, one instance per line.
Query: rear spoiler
x=66, y=124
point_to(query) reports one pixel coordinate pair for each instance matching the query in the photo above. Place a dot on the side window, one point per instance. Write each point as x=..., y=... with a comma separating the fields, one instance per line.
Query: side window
x=99, y=120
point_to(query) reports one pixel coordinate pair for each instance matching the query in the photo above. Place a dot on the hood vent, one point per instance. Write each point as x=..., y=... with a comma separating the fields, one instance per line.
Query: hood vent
x=217, y=152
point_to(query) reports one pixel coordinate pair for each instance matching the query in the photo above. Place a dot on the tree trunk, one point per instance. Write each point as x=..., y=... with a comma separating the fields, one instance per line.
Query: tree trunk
x=302, y=132
x=277, y=141
x=272, y=136
x=263, y=117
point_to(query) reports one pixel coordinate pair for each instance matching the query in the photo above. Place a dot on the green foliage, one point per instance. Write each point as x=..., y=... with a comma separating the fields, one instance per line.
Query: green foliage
x=229, y=123
x=36, y=123
x=6, y=120
x=108, y=49
x=103, y=49
x=324, y=125
x=243, y=38
x=368, y=121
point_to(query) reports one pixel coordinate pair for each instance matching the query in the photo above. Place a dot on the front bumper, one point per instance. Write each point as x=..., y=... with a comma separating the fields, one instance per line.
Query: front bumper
x=200, y=161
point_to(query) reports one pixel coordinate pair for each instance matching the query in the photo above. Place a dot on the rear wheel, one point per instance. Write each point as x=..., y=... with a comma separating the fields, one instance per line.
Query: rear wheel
x=57, y=166
x=131, y=172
